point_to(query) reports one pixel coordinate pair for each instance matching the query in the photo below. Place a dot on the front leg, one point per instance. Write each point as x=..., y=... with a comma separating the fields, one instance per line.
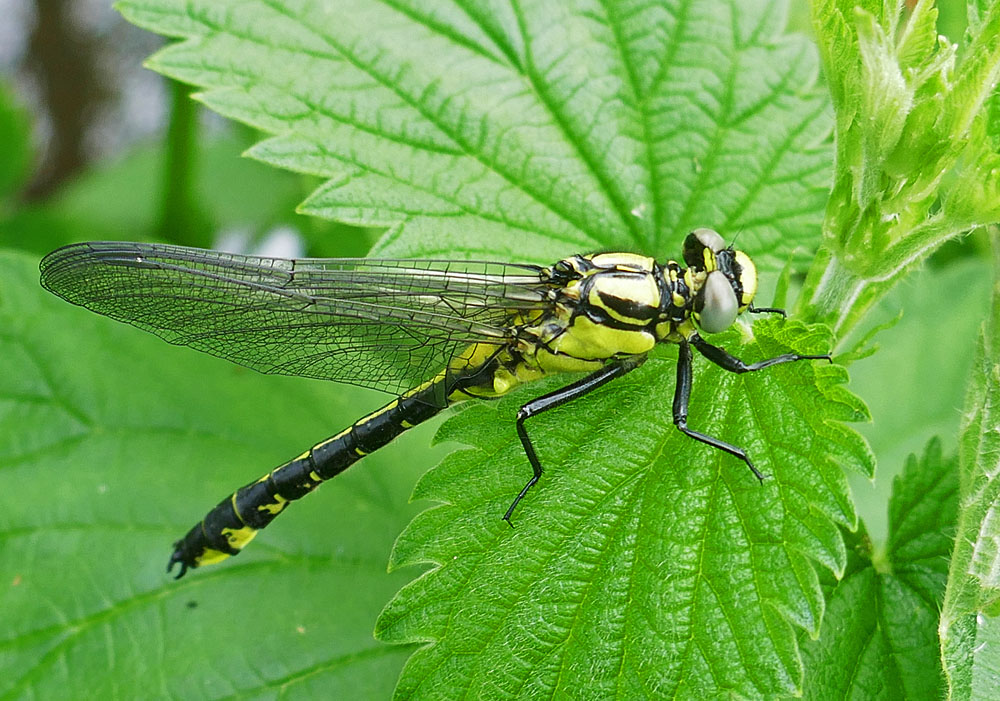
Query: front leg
x=727, y=361
x=766, y=310
x=682, y=395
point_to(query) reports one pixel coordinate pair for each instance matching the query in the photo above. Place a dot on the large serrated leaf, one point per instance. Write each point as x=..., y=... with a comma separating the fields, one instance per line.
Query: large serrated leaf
x=879, y=635
x=529, y=131
x=643, y=563
x=563, y=126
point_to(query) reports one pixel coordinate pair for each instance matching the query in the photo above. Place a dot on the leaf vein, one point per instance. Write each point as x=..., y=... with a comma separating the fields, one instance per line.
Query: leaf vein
x=574, y=219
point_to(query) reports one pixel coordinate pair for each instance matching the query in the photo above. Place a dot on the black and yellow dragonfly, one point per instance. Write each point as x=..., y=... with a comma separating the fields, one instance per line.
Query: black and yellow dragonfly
x=432, y=332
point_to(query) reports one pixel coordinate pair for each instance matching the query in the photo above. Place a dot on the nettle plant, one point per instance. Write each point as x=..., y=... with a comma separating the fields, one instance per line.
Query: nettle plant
x=644, y=564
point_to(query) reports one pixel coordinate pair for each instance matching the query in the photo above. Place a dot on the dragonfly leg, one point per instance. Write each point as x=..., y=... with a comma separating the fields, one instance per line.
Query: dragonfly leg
x=727, y=361
x=682, y=395
x=609, y=372
x=766, y=310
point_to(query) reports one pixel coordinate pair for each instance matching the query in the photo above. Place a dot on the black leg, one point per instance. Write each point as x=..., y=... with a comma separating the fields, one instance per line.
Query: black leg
x=729, y=362
x=766, y=310
x=682, y=395
x=609, y=372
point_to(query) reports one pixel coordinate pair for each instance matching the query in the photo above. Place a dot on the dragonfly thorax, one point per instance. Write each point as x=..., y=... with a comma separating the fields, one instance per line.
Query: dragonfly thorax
x=607, y=306
x=613, y=304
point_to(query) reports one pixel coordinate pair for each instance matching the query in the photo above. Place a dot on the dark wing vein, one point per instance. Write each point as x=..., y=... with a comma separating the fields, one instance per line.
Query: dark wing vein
x=384, y=324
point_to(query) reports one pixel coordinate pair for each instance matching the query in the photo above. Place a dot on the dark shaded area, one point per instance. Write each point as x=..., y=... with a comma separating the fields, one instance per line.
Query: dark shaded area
x=64, y=62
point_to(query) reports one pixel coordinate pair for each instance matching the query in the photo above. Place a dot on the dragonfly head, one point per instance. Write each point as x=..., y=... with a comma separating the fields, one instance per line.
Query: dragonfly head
x=730, y=282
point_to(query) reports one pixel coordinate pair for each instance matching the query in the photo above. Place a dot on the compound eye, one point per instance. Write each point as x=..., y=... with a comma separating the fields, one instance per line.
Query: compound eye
x=710, y=239
x=720, y=307
x=747, y=279
x=697, y=243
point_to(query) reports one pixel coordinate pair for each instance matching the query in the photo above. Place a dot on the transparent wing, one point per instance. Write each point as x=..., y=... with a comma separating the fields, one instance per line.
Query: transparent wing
x=384, y=324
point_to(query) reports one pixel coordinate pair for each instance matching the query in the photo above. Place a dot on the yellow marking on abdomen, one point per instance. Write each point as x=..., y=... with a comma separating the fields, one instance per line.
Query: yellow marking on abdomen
x=275, y=507
x=239, y=537
x=210, y=556
x=629, y=261
x=378, y=412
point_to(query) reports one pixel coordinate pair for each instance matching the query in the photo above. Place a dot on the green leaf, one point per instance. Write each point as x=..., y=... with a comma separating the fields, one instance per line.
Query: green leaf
x=920, y=36
x=973, y=580
x=520, y=132
x=113, y=444
x=879, y=634
x=643, y=563
x=15, y=138
x=529, y=132
x=915, y=162
x=886, y=99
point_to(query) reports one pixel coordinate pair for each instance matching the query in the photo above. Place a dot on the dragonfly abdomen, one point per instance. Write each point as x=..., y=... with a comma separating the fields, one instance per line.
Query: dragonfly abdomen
x=235, y=521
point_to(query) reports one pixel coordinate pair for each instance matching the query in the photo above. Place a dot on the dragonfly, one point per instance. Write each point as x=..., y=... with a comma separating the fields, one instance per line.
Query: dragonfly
x=429, y=332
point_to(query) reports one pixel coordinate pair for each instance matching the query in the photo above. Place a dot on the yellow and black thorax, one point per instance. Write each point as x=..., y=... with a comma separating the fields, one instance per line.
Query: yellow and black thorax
x=604, y=306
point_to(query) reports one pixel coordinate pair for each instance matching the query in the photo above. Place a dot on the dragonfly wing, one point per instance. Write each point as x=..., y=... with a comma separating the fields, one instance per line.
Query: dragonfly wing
x=384, y=324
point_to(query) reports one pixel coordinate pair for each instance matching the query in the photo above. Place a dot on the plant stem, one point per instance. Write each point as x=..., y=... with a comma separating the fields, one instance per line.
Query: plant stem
x=178, y=220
